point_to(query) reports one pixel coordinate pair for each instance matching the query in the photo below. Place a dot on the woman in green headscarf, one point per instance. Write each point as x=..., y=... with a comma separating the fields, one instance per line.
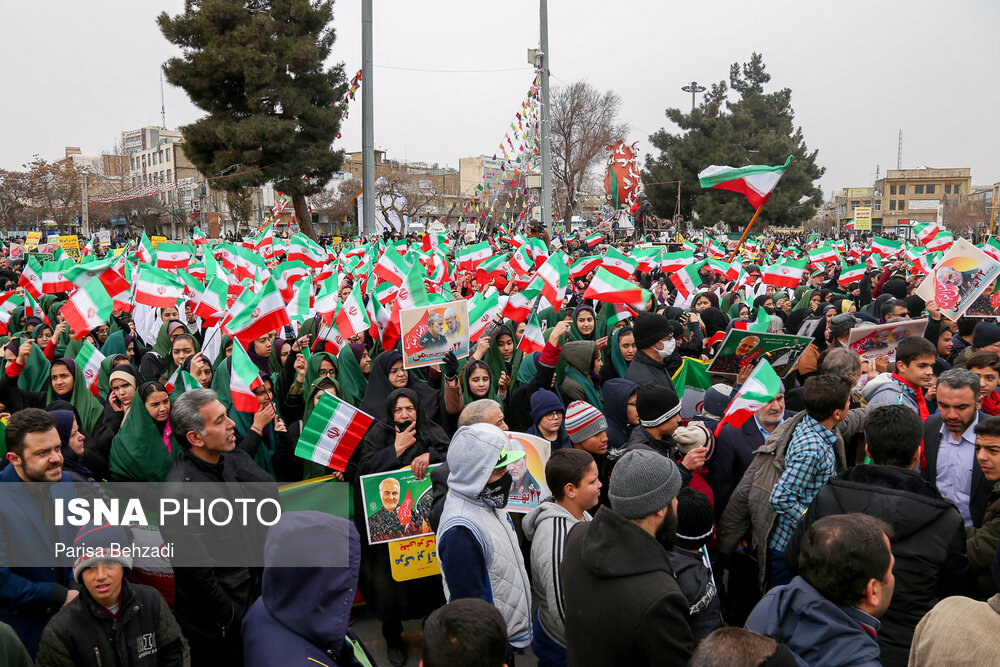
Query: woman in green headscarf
x=618, y=354
x=144, y=450
x=35, y=374
x=503, y=357
x=477, y=383
x=355, y=364
x=182, y=346
x=583, y=361
x=155, y=361
x=584, y=326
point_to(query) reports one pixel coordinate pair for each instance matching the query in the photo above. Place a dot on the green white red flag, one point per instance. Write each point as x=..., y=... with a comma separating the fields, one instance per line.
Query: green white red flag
x=173, y=256
x=352, y=318
x=53, y=277
x=533, y=339
x=31, y=278
x=691, y=381
x=886, y=247
x=156, y=288
x=88, y=360
x=851, y=274
x=755, y=181
x=608, y=287
x=87, y=308
x=263, y=313
x=687, y=280
x=786, y=274
x=482, y=311
x=759, y=390
x=243, y=379
x=332, y=433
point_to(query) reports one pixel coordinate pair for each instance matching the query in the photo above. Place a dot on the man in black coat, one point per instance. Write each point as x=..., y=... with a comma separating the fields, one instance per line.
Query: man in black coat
x=622, y=602
x=951, y=465
x=656, y=359
x=928, y=535
x=211, y=600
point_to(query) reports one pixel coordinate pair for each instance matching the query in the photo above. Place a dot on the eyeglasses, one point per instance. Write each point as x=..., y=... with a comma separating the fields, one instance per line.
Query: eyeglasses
x=325, y=372
x=554, y=414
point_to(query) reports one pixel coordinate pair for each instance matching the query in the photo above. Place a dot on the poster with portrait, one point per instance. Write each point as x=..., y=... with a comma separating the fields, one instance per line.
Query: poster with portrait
x=872, y=342
x=744, y=348
x=396, y=505
x=529, y=489
x=431, y=332
x=959, y=278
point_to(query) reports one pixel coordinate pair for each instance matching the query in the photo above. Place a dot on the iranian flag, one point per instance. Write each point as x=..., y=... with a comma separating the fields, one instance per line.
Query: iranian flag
x=686, y=279
x=199, y=236
x=533, y=339
x=552, y=278
x=824, y=254
x=675, y=261
x=89, y=307
x=786, y=274
x=759, y=390
x=181, y=379
x=941, y=242
x=585, y=265
x=991, y=248
x=214, y=300
x=304, y=249
x=352, y=318
x=264, y=312
x=327, y=300
x=593, y=239
x=609, y=288
x=755, y=181
x=332, y=433
x=31, y=278
x=157, y=288
x=470, y=256
x=88, y=360
x=691, y=381
x=619, y=264
x=243, y=379
x=926, y=231
x=54, y=279
x=759, y=325
x=518, y=306
x=392, y=267
x=491, y=268
x=286, y=275
x=482, y=311
x=146, y=251
x=851, y=274
x=521, y=261
x=173, y=256
x=885, y=247
x=301, y=303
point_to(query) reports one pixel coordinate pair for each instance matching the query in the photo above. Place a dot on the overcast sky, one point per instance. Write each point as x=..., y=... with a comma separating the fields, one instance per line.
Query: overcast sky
x=78, y=73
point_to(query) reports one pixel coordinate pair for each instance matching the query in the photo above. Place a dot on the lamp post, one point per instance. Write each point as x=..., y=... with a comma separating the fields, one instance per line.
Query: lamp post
x=693, y=88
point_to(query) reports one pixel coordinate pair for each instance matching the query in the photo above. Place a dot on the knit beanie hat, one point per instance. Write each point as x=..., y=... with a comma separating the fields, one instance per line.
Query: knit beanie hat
x=583, y=420
x=643, y=483
x=717, y=399
x=694, y=435
x=101, y=543
x=985, y=333
x=695, y=519
x=656, y=404
x=650, y=328
x=544, y=402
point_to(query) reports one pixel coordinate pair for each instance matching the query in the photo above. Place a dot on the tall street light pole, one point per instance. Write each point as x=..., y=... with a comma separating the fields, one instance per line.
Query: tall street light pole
x=367, y=125
x=546, y=118
x=693, y=88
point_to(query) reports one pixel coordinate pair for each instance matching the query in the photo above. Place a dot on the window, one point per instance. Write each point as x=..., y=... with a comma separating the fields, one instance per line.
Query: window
x=892, y=204
x=143, y=160
x=867, y=203
x=918, y=189
x=958, y=189
x=892, y=189
x=855, y=204
x=878, y=204
x=947, y=188
x=901, y=204
x=902, y=189
x=168, y=155
x=168, y=175
x=843, y=208
x=930, y=189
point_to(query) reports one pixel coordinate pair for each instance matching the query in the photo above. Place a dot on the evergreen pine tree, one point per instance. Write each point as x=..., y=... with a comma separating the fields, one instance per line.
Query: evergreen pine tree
x=757, y=128
x=257, y=68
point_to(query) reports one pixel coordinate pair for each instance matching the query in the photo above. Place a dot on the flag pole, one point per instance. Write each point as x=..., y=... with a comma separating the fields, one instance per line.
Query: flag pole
x=745, y=232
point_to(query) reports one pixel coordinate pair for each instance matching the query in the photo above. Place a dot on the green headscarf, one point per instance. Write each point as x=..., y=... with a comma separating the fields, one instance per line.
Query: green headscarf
x=466, y=394
x=613, y=352
x=312, y=369
x=577, y=349
x=35, y=375
x=115, y=344
x=88, y=407
x=104, y=376
x=804, y=301
x=574, y=331
x=353, y=382
x=527, y=371
x=495, y=360
x=162, y=344
x=138, y=452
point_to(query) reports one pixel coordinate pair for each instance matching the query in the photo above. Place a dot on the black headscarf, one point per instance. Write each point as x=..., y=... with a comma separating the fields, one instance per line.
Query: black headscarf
x=429, y=434
x=379, y=388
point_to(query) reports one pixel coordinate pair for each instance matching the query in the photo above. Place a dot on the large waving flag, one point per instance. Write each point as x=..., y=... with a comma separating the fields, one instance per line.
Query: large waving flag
x=608, y=287
x=89, y=307
x=755, y=181
x=332, y=433
x=263, y=313
x=156, y=288
x=759, y=390
x=352, y=318
x=244, y=378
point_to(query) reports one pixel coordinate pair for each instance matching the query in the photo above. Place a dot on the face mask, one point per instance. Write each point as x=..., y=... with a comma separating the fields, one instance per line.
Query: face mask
x=402, y=426
x=862, y=381
x=668, y=348
x=496, y=494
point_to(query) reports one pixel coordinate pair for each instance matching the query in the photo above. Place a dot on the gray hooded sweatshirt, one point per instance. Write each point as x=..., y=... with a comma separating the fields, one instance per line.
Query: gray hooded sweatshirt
x=546, y=526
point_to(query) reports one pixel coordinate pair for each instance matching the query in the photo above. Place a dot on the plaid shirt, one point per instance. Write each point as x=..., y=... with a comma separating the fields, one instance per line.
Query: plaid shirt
x=809, y=462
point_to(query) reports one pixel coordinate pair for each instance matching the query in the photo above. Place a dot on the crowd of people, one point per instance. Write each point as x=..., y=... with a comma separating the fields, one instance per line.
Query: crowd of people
x=852, y=519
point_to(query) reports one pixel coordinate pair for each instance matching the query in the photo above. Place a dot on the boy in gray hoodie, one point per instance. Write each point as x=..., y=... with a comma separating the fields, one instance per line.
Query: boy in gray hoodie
x=571, y=475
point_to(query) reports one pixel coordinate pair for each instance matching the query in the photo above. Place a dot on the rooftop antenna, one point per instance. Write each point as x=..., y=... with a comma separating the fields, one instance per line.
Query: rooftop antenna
x=899, y=152
x=163, y=107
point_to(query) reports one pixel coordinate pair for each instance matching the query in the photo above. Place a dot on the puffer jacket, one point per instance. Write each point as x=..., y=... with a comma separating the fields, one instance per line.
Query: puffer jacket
x=143, y=633
x=750, y=505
